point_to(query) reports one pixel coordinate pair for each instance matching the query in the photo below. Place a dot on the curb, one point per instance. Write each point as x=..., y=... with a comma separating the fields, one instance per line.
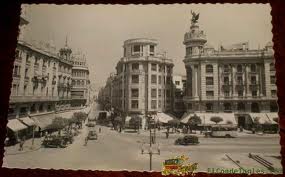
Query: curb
x=22, y=152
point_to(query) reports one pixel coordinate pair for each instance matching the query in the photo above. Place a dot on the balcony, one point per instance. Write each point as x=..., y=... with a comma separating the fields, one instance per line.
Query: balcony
x=239, y=72
x=22, y=99
x=253, y=86
x=226, y=86
x=226, y=72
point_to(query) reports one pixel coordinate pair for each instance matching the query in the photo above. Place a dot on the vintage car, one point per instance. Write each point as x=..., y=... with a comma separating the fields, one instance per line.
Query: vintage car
x=54, y=141
x=68, y=138
x=90, y=124
x=92, y=135
x=187, y=140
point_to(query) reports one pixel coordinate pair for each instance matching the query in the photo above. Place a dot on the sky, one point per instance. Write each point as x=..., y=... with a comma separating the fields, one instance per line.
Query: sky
x=99, y=31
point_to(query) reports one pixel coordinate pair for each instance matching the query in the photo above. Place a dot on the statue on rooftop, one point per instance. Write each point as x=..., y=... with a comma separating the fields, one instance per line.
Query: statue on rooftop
x=195, y=17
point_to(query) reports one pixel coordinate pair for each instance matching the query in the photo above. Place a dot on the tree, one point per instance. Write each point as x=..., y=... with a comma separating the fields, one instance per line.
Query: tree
x=174, y=123
x=216, y=119
x=194, y=121
x=135, y=122
x=58, y=123
x=78, y=117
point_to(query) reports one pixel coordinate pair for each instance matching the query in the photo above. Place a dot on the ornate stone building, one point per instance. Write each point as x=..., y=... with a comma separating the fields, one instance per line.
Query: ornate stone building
x=80, y=81
x=232, y=79
x=143, y=82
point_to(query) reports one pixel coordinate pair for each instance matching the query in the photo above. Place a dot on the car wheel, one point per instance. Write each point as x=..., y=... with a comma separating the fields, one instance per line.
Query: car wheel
x=228, y=136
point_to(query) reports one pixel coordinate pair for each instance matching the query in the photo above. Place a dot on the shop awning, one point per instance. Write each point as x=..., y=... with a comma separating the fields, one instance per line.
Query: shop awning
x=227, y=118
x=43, y=120
x=272, y=116
x=28, y=121
x=87, y=110
x=262, y=118
x=66, y=115
x=163, y=117
x=15, y=125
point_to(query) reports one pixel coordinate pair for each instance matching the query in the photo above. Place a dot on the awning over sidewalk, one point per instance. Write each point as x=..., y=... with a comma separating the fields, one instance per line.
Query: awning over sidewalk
x=15, y=125
x=66, y=115
x=272, y=116
x=44, y=120
x=262, y=118
x=87, y=110
x=28, y=121
x=227, y=118
x=163, y=117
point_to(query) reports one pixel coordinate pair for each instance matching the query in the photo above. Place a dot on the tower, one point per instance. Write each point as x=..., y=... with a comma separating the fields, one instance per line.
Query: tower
x=65, y=52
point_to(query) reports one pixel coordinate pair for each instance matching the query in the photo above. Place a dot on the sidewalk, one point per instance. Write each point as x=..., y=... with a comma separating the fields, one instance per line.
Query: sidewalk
x=14, y=150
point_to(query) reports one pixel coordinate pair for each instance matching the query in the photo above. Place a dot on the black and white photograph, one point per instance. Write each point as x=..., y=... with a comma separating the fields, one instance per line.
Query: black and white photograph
x=144, y=88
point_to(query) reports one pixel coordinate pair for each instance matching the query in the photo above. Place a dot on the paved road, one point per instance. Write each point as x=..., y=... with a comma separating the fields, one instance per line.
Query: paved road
x=118, y=151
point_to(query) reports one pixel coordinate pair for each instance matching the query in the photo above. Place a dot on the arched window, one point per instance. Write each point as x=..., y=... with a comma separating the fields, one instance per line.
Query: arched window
x=239, y=68
x=253, y=68
x=226, y=68
x=209, y=68
x=241, y=107
x=254, y=107
x=272, y=67
x=227, y=107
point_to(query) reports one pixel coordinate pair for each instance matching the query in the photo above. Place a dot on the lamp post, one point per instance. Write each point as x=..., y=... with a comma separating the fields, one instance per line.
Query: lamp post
x=150, y=149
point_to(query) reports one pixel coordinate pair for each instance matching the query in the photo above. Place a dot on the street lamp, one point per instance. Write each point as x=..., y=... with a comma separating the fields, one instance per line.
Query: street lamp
x=150, y=149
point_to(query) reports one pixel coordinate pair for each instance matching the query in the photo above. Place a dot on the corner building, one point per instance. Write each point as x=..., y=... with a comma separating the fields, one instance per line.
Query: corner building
x=232, y=79
x=143, y=82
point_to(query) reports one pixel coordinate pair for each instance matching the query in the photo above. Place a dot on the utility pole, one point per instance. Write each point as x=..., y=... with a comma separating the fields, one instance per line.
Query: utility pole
x=150, y=150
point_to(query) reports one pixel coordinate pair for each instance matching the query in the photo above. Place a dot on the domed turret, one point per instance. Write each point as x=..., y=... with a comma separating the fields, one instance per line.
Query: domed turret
x=65, y=52
x=195, y=39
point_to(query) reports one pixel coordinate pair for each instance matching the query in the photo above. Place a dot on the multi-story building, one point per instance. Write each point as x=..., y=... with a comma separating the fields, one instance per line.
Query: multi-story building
x=80, y=81
x=179, y=86
x=232, y=79
x=143, y=82
x=41, y=85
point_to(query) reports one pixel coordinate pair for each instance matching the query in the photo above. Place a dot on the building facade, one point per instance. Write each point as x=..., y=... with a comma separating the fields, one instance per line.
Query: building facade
x=143, y=81
x=179, y=86
x=232, y=79
x=80, y=92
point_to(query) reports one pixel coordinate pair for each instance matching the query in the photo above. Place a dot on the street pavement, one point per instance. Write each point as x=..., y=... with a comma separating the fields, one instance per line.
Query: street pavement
x=122, y=151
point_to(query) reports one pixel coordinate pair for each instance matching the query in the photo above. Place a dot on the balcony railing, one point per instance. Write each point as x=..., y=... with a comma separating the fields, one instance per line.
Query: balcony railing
x=253, y=86
x=240, y=86
x=226, y=86
x=19, y=99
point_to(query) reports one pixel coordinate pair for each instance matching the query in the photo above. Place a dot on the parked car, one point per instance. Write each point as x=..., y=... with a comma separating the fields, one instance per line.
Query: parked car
x=90, y=124
x=92, y=135
x=54, y=142
x=68, y=138
x=187, y=140
x=224, y=131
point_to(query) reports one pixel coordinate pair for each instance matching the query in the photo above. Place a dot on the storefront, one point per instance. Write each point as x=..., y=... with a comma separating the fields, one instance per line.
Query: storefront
x=15, y=130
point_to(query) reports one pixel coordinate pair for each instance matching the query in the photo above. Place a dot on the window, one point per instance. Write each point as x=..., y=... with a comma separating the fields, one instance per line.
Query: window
x=125, y=52
x=239, y=68
x=253, y=80
x=159, y=79
x=272, y=79
x=169, y=69
x=151, y=50
x=41, y=108
x=168, y=94
x=253, y=68
x=16, y=71
x=209, y=107
x=136, y=48
x=226, y=68
x=153, y=104
x=153, y=67
x=254, y=93
x=153, y=79
x=273, y=93
x=33, y=108
x=226, y=81
x=135, y=93
x=272, y=67
x=240, y=93
x=135, y=79
x=135, y=66
x=49, y=107
x=159, y=103
x=209, y=81
x=189, y=105
x=209, y=69
x=241, y=107
x=209, y=93
x=254, y=107
x=168, y=80
x=273, y=106
x=227, y=107
x=239, y=80
x=227, y=93
x=135, y=104
x=159, y=92
x=153, y=93
x=189, y=51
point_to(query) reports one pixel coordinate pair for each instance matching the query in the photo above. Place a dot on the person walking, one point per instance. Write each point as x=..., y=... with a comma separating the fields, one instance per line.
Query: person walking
x=22, y=142
x=86, y=141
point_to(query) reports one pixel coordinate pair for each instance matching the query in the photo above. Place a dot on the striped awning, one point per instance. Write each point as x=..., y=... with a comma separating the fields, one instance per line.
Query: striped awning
x=227, y=118
x=15, y=125
x=261, y=117
x=43, y=120
x=272, y=116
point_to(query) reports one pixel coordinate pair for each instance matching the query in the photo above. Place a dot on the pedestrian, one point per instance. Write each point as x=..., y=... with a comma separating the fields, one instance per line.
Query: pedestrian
x=167, y=134
x=86, y=141
x=100, y=130
x=22, y=141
